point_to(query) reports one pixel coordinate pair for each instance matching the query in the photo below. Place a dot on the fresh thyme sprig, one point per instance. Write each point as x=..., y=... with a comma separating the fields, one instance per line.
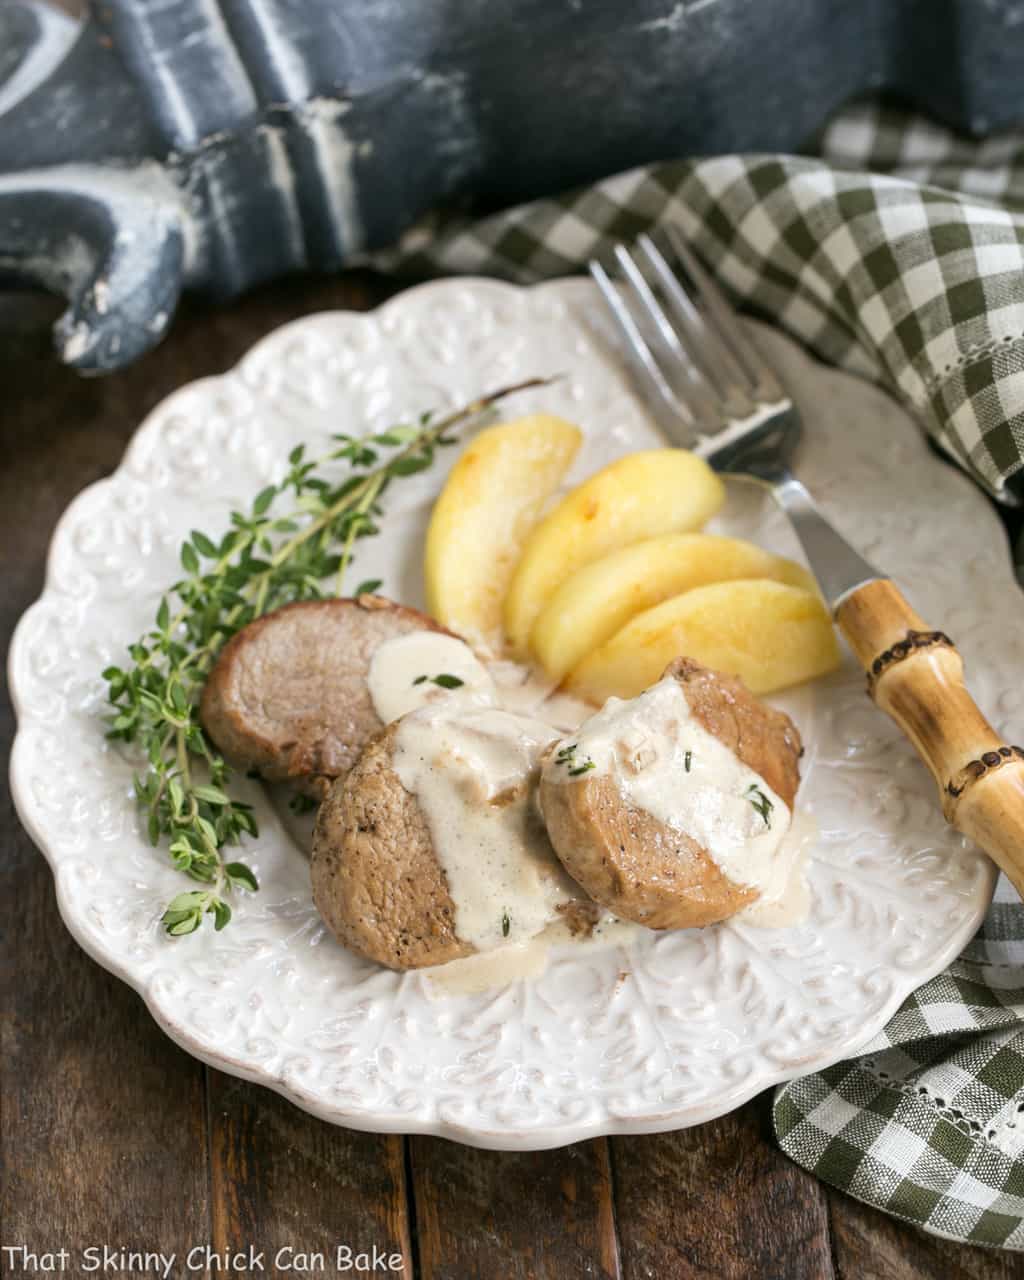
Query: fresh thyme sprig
x=269, y=557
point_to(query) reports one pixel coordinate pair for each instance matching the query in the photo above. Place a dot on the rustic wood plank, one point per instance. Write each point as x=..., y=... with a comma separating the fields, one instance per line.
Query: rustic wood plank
x=93, y=1097
x=518, y=1215
x=283, y=1181
x=868, y=1245
x=719, y=1202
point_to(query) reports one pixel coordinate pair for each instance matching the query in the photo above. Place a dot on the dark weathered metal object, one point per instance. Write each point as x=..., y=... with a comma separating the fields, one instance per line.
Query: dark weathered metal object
x=211, y=144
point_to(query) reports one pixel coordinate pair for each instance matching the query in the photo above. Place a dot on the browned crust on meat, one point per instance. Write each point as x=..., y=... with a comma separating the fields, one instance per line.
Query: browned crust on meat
x=377, y=882
x=635, y=865
x=288, y=697
x=764, y=739
x=580, y=916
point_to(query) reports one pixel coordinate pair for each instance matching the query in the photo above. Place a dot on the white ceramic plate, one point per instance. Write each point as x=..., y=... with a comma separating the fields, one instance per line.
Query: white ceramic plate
x=673, y=1032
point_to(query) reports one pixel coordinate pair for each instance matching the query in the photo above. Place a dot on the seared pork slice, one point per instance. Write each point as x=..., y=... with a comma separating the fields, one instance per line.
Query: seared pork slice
x=288, y=695
x=657, y=868
x=377, y=882
x=764, y=739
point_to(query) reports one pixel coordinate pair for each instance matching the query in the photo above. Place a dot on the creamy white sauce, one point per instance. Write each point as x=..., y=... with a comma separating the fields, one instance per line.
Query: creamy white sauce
x=666, y=763
x=529, y=691
x=490, y=969
x=786, y=899
x=404, y=674
x=473, y=771
x=470, y=754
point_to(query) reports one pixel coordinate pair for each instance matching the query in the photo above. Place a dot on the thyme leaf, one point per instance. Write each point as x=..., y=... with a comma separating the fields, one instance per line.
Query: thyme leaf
x=760, y=802
x=444, y=680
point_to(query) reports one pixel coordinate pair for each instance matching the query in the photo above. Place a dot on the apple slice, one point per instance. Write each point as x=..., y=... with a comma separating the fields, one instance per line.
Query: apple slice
x=771, y=634
x=594, y=603
x=642, y=495
x=490, y=501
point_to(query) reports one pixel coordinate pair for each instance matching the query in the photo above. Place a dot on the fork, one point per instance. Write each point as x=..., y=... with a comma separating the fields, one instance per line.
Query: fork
x=712, y=391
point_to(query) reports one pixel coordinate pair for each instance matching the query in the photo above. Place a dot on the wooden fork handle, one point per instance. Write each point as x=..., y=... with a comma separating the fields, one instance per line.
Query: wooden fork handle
x=916, y=676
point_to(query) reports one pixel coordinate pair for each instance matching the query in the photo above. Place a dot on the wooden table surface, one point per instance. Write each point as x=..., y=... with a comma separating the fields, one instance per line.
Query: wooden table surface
x=111, y=1135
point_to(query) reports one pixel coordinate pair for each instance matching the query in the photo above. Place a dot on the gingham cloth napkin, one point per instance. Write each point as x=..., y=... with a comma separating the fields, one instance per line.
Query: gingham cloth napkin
x=897, y=253
x=928, y=1124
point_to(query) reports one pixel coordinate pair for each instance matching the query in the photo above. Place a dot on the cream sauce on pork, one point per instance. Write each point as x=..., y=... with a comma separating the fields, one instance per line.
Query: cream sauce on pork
x=473, y=771
x=665, y=762
x=469, y=748
x=426, y=667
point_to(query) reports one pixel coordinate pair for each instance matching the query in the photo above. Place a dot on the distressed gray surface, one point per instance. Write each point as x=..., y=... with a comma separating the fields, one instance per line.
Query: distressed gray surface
x=212, y=144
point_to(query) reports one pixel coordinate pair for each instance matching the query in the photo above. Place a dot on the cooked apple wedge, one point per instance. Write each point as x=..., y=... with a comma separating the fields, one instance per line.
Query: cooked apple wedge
x=642, y=495
x=771, y=634
x=591, y=605
x=489, y=503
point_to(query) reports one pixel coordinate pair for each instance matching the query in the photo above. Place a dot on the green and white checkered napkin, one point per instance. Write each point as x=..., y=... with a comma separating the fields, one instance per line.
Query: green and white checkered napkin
x=897, y=253
x=929, y=1123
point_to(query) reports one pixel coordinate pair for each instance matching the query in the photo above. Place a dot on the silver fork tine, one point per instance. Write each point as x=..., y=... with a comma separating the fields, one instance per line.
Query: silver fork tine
x=767, y=387
x=668, y=408
x=737, y=388
x=706, y=400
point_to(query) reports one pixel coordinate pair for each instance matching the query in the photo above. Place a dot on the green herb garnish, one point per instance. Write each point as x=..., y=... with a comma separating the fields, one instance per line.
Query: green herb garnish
x=506, y=924
x=269, y=557
x=444, y=680
x=687, y=761
x=760, y=802
x=567, y=756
